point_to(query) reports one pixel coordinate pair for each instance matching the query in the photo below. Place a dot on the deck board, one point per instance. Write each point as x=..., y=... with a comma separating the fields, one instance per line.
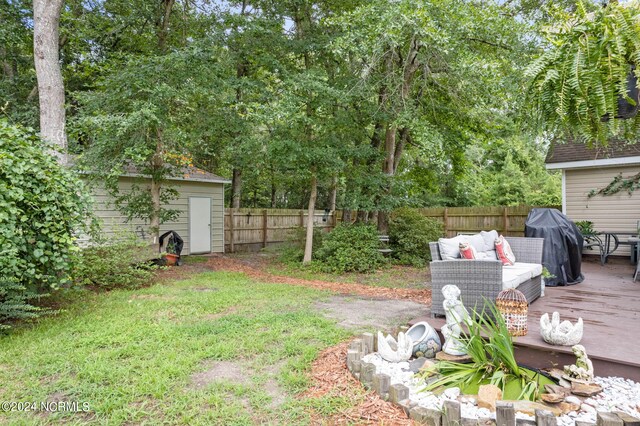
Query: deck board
x=609, y=303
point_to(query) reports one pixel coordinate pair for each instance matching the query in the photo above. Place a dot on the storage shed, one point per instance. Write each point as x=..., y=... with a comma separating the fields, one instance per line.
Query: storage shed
x=586, y=169
x=200, y=202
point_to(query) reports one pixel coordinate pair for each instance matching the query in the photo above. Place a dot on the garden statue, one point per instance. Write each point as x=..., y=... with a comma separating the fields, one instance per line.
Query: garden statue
x=562, y=333
x=395, y=351
x=456, y=315
x=582, y=370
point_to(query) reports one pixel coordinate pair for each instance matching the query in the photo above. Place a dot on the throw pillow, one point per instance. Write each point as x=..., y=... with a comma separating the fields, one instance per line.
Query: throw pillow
x=505, y=254
x=467, y=251
x=450, y=247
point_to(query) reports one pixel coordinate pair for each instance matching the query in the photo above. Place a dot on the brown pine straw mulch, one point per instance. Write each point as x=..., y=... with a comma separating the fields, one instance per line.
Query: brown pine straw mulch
x=222, y=263
x=331, y=377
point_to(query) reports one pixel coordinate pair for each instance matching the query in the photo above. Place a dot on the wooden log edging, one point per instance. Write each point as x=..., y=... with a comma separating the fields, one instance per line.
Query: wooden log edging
x=450, y=415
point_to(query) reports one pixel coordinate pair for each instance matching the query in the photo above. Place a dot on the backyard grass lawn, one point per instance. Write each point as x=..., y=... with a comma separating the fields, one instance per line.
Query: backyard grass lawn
x=155, y=355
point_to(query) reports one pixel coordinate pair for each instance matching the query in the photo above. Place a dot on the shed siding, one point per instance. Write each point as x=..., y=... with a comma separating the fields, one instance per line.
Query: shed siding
x=617, y=213
x=113, y=220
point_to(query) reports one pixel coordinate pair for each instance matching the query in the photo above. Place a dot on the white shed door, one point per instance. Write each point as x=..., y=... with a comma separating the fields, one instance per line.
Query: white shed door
x=199, y=225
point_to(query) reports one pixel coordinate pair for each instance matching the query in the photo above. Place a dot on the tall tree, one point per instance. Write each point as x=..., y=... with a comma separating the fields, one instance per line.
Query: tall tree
x=46, y=23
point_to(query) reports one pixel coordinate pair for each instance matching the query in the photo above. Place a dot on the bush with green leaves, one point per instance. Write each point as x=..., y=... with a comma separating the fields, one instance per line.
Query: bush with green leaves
x=43, y=206
x=351, y=248
x=293, y=251
x=409, y=235
x=122, y=261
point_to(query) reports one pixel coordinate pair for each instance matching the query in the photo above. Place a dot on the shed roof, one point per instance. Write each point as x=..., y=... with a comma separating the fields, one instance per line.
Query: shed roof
x=186, y=173
x=572, y=154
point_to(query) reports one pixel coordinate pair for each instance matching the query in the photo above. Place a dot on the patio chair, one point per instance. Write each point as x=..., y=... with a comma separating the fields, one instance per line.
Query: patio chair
x=593, y=241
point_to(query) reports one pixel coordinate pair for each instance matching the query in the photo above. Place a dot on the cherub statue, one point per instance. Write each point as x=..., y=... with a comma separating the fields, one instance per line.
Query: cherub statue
x=395, y=351
x=582, y=370
x=456, y=315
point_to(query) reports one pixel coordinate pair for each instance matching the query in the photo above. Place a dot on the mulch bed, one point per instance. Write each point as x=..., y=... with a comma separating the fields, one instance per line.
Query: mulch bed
x=222, y=263
x=331, y=377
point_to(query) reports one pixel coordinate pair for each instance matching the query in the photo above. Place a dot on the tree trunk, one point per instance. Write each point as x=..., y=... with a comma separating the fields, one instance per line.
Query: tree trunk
x=7, y=66
x=157, y=163
x=46, y=55
x=362, y=217
x=236, y=188
x=308, y=246
x=163, y=24
x=154, y=217
x=333, y=195
x=346, y=216
x=274, y=192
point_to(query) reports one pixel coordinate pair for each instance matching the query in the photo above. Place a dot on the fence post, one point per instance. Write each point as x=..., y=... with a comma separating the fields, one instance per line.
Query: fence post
x=301, y=218
x=445, y=217
x=264, y=228
x=231, y=233
x=505, y=218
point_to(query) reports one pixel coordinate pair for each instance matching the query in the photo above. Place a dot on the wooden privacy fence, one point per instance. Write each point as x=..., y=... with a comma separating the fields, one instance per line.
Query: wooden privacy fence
x=246, y=229
x=463, y=220
x=253, y=228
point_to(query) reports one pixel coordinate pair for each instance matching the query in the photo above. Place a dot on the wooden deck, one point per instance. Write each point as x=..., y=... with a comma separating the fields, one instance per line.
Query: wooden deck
x=609, y=303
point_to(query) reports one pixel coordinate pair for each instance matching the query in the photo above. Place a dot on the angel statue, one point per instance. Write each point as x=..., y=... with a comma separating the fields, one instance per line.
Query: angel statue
x=456, y=315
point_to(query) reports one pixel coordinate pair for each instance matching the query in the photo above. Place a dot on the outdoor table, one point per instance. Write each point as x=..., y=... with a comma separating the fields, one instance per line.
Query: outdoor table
x=612, y=238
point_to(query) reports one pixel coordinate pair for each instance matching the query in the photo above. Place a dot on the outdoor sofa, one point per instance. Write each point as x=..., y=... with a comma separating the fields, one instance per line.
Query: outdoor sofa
x=480, y=279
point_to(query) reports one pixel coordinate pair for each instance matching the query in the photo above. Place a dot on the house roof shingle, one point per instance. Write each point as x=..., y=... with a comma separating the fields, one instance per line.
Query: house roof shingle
x=575, y=151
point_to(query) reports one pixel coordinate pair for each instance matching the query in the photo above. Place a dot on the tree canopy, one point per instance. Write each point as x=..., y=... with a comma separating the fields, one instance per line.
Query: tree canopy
x=370, y=105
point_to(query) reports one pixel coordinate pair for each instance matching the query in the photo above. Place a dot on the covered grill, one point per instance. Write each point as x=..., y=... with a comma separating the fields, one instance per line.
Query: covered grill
x=562, y=252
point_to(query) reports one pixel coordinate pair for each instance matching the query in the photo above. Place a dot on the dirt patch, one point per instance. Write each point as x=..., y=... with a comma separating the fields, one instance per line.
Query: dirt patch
x=272, y=387
x=202, y=289
x=234, y=265
x=359, y=314
x=217, y=371
x=330, y=376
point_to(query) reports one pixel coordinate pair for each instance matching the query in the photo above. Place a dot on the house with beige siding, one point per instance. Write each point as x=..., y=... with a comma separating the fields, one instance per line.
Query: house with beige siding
x=200, y=204
x=587, y=169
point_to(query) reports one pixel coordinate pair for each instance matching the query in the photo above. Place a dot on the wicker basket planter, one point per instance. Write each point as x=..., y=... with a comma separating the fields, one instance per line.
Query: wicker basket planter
x=514, y=308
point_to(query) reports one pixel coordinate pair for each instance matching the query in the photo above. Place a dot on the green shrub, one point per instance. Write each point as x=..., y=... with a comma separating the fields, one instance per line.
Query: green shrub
x=43, y=205
x=410, y=234
x=293, y=251
x=122, y=261
x=351, y=248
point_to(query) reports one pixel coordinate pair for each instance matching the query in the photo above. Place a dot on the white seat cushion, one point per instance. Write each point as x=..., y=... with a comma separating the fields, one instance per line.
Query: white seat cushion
x=516, y=274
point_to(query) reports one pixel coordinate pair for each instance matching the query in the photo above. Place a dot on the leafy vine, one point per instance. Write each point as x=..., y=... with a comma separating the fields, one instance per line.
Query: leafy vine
x=618, y=184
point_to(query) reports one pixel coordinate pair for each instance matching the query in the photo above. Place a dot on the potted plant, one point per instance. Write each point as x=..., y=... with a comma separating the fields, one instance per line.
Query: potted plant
x=588, y=73
x=171, y=258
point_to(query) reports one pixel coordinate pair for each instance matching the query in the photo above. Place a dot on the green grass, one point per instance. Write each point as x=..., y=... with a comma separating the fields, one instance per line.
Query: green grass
x=131, y=354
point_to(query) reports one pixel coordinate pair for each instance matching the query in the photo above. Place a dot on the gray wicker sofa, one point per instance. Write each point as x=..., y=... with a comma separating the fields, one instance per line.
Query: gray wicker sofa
x=479, y=279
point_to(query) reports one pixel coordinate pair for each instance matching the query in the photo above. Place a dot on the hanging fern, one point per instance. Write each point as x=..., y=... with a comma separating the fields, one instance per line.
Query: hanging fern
x=576, y=83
